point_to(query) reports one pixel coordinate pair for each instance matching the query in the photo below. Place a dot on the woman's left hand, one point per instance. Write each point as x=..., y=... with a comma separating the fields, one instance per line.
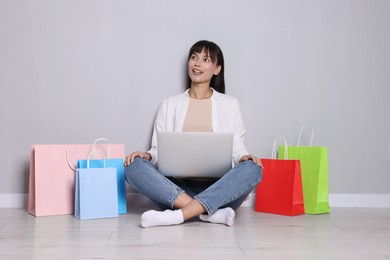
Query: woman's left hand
x=253, y=158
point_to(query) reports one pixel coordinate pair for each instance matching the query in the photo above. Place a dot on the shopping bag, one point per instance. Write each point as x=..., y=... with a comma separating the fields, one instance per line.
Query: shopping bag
x=110, y=162
x=52, y=179
x=96, y=193
x=314, y=168
x=280, y=190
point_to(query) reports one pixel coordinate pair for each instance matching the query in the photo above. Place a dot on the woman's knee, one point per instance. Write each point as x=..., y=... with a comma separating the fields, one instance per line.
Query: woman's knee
x=137, y=167
x=254, y=171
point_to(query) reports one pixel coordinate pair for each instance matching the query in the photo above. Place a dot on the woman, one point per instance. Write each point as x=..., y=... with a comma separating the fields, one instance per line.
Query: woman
x=202, y=107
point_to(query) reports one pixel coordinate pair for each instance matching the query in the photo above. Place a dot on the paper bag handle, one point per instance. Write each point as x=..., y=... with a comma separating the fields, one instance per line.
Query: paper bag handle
x=93, y=154
x=67, y=160
x=300, y=135
x=102, y=139
x=273, y=156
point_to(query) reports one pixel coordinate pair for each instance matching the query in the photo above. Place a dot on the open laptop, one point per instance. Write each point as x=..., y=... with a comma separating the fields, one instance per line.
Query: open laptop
x=194, y=154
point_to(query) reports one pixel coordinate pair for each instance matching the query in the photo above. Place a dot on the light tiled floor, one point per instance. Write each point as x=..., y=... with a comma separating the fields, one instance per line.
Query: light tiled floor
x=346, y=233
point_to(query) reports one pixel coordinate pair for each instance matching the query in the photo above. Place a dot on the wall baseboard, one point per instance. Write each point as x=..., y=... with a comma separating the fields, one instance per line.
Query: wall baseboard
x=137, y=200
x=13, y=200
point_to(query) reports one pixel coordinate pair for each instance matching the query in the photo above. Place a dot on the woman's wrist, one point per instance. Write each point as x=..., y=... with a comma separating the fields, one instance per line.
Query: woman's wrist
x=148, y=156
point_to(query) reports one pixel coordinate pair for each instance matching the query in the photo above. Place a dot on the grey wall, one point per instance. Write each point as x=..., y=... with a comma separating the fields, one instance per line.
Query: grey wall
x=72, y=71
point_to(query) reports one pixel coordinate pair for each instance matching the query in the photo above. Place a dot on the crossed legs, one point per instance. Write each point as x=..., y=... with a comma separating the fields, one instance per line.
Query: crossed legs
x=187, y=208
x=237, y=183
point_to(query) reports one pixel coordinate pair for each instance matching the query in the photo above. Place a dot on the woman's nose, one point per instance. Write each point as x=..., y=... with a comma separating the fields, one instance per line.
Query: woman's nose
x=197, y=62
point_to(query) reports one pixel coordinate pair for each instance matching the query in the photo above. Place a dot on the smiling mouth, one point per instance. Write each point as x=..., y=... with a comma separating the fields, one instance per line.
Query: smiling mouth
x=196, y=72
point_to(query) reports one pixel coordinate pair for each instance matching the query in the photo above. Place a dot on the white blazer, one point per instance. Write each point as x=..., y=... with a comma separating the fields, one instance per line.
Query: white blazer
x=226, y=118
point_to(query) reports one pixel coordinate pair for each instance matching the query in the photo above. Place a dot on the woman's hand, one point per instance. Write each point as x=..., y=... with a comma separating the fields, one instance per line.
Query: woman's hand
x=253, y=158
x=130, y=158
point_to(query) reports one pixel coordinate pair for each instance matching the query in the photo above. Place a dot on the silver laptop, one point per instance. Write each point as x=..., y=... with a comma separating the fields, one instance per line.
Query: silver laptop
x=194, y=154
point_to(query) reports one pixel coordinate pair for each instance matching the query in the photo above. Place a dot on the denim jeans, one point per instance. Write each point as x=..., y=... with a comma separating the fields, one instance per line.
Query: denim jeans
x=227, y=191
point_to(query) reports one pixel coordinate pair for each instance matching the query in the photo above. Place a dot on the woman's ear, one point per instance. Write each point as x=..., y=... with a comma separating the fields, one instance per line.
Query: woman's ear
x=217, y=70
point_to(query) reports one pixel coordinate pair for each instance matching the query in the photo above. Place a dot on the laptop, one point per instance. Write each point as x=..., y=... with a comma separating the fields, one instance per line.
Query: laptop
x=194, y=154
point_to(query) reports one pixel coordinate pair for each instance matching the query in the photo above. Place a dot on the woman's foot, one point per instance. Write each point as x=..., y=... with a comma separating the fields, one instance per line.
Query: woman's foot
x=221, y=216
x=152, y=218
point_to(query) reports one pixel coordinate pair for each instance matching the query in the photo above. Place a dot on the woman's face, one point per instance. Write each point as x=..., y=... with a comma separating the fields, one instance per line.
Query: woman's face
x=201, y=69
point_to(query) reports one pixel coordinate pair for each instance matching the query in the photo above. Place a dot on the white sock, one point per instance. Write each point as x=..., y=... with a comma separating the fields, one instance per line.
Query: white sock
x=168, y=217
x=221, y=216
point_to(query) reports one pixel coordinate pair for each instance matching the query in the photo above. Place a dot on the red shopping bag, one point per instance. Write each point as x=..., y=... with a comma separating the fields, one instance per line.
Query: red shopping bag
x=280, y=191
x=52, y=176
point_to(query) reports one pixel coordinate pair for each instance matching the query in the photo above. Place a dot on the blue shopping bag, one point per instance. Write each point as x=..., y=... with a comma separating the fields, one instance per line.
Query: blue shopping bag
x=114, y=163
x=96, y=192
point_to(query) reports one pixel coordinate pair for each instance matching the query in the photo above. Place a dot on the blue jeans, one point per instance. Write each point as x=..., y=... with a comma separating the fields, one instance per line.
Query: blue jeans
x=228, y=191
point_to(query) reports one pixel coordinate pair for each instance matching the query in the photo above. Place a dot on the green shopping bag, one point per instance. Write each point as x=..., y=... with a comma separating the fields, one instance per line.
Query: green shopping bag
x=314, y=170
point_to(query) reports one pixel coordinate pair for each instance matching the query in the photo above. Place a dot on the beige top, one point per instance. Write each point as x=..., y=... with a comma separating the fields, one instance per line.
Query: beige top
x=198, y=117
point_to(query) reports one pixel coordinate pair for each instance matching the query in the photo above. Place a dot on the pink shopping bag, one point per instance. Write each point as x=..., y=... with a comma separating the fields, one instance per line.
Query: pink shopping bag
x=52, y=179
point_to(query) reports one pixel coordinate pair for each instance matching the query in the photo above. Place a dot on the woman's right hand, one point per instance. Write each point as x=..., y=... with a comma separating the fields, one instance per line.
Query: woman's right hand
x=130, y=158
